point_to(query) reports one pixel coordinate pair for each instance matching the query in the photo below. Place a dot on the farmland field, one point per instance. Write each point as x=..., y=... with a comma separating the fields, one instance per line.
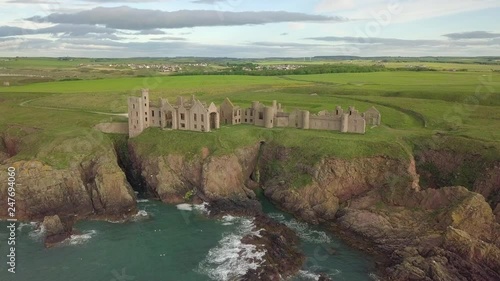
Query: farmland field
x=413, y=105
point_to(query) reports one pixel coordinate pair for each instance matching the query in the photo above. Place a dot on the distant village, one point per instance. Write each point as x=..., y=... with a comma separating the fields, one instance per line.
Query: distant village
x=166, y=68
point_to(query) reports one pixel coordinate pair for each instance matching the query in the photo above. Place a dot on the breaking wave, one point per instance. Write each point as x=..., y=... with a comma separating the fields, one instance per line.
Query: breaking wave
x=303, y=230
x=190, y=207
x=78, y=239
x=231, y=258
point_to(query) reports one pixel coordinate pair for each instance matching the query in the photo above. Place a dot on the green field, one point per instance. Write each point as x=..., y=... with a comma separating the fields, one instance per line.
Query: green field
x=55, y=119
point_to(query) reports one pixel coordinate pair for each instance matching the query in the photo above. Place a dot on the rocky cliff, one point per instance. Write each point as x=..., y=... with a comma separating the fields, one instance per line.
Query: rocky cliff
x=442, y=167
x=177, y=178
x=95, y=188
x=448, y=233
x=424, y=232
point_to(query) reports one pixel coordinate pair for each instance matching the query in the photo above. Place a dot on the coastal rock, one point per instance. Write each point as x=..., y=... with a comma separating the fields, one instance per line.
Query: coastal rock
x=55, y=230
x=333, y=182
x=282, y=258
x=220, y=207
x=209, y=177
x=96, y=188
x=447, y=233
x=442, y=167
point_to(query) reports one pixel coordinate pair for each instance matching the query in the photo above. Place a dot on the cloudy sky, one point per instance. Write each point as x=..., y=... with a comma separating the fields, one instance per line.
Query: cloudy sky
x=249, y=28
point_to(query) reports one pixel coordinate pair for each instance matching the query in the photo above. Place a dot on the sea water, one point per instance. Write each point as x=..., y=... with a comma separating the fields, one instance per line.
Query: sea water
x=170, y=243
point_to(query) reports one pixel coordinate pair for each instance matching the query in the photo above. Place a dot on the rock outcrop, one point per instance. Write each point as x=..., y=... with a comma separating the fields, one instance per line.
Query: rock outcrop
x=448, y=233
x=282, y=258
x=96, y=188
x=173, y=177
x=56, y=230
x=441, y=167
x=333, y=182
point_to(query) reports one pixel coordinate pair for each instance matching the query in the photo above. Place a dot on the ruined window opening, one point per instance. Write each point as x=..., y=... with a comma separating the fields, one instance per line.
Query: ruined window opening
x=152, y=113
x=350, y=112
x=195, y=117
x=337, y=112
x=251, y=112
x=183, y=125
x=183, y=116
x=202, y=118
x=146, y=119
x=261, y=115
x=196, y=126
x=137, y=114
x=246, y=120
x=133, y=106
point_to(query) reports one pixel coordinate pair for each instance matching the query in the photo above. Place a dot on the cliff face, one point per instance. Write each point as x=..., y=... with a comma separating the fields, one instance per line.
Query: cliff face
x=333, y=181
x=173, y=178
x=440, y=167
x=448, y=233
x=96, y=188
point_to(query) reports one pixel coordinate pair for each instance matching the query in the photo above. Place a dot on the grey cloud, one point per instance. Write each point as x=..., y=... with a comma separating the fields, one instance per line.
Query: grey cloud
x=151, y=32
x=169, y=38
x=376, y=40
x=286, y=44
x=140, y=19
x=406, y=43
x=68, y=29
x=472, y=35
x=107, y=48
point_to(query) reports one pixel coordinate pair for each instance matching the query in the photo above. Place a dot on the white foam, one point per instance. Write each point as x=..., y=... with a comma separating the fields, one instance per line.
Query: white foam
x=231, y=258
x=142, y=200
x=81, y=238
x=37, y=233
x=228, y=220
x=30, y=226
x=307, y=275
x=374, y=277
x=202, y=208
x=277, y=216
x=185, y=207
x=305, y=232
x=190, y=207
x=140, y=216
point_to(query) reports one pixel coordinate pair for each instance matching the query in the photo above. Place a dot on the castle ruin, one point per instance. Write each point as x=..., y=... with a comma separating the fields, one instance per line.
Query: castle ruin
x=193, y=115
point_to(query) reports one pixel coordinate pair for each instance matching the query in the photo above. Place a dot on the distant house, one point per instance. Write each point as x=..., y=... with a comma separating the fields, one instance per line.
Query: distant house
x=6, y=84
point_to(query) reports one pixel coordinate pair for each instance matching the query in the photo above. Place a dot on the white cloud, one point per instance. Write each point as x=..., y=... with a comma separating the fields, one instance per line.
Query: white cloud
x=402, y=10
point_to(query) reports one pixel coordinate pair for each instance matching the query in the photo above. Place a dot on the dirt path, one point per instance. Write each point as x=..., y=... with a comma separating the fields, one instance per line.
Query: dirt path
x=26, y=104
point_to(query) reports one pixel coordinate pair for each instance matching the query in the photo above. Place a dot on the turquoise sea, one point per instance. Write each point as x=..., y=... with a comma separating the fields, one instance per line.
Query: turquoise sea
x=174, y=243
